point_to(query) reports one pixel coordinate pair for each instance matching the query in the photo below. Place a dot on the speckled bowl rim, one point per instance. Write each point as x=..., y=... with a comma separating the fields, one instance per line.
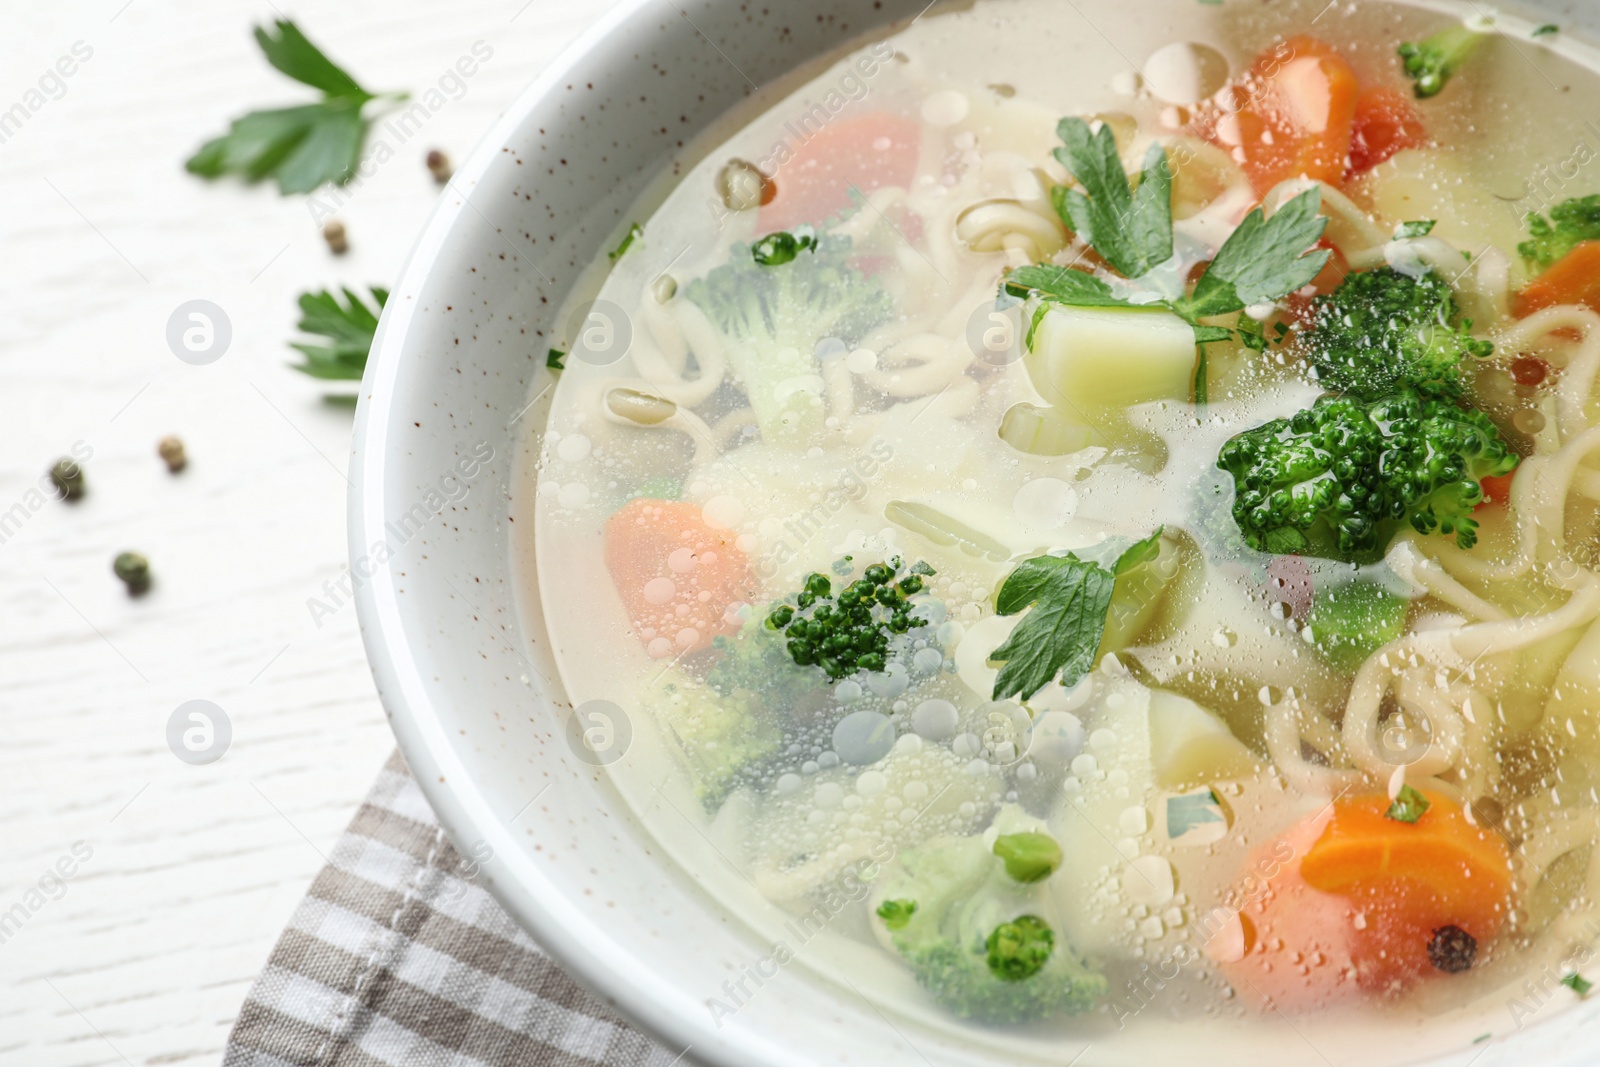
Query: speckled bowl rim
x=563, y=930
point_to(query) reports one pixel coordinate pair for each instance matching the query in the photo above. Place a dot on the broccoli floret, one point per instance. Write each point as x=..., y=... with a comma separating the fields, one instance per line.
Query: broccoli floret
x=1436, y=458
x=849, y=631
x=725, y=738
x=1382, y=330
x=774, y=317
x=1435, y=61
x=984, y=944
x=1569, y=225
x=754, y=664
x=1338, y=478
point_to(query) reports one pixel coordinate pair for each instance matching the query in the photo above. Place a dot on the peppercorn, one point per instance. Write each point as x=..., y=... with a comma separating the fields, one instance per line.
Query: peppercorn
x=67, y=477
x=134, y=570
x=333, y=233
x=171, y=451
x=439, y=166
x=1452, y=949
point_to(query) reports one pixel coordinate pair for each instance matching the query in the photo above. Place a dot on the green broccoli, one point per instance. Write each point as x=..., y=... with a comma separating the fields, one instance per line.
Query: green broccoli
x=1435, y=61
x=849, y=631
x=980, y=941
x=725, y=739
x=1382, y=330
x=773, y=318
x=1570, y=224
x=755, y=664
x=1338, y=478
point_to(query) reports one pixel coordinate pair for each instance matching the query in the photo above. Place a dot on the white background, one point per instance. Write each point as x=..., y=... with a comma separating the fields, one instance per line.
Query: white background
x=147, y=956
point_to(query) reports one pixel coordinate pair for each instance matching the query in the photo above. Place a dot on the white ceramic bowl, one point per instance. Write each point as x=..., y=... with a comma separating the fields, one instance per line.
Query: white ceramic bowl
x=459, y=354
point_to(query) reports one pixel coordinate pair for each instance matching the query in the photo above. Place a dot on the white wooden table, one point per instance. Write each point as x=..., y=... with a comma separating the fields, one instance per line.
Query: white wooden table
x=184, y=875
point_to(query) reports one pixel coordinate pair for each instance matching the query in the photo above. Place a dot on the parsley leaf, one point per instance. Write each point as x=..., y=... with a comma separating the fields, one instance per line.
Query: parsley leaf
x=1068, y=598
x=1408, y=805
x=553, y=360
x=634, y=231
x=348, y=327
x=1262, y=260
x=1577, y=983
x=1064, y=285
x=301, y=147
x=1130, y=227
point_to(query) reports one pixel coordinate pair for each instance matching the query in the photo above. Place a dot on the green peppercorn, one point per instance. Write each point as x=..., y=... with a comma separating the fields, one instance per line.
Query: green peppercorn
x=67, y=477
x=134, y=570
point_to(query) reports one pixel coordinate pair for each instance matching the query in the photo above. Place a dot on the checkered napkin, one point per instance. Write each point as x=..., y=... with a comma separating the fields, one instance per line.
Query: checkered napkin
x=394, y=958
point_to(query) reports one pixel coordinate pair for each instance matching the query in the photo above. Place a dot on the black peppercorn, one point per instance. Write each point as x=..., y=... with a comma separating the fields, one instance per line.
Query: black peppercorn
x=1452, y=949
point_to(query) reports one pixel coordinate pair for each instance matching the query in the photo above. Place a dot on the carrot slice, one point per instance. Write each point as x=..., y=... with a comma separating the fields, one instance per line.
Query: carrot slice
x=677, y=575
x=1496, y=490
x=1369, y=895
x=868, y=152
x=1292, y=115
x=1572, y=279
x=1386, y=123
x=1441, y=869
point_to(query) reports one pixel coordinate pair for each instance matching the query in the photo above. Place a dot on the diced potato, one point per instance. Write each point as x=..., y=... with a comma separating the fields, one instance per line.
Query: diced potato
x=1095, y=360
x=1432, y=183
x=1189, y=746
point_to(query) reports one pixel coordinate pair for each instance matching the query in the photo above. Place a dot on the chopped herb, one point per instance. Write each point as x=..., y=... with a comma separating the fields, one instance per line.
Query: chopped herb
x=1069, y=598
x=349, y=328
x=1130, y=226
x=301, y=147
x=634, y=231
x=1419, y=228
x=1029, y=857
x=553, y=360
x=1408, y=805
x=1549, y=29
x=1481, y=1038
x=1577, y=983
x=897, y=913
x=776, y=249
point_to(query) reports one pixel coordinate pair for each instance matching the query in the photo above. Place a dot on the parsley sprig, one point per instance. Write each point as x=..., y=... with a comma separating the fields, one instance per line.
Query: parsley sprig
x=348, y=329
x=1069, y=598
x=301, y=147
x=1130, y=227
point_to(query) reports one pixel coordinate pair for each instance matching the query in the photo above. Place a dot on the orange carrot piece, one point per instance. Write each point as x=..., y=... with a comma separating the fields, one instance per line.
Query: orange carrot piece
x=1293, y=115
x=1354, y=912
x=865, y=153
x=677, y=575
x=1386, y=123
x=1572, y=279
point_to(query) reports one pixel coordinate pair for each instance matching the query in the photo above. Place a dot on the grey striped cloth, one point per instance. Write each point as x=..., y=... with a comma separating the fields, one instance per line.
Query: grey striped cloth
x=397, y=958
